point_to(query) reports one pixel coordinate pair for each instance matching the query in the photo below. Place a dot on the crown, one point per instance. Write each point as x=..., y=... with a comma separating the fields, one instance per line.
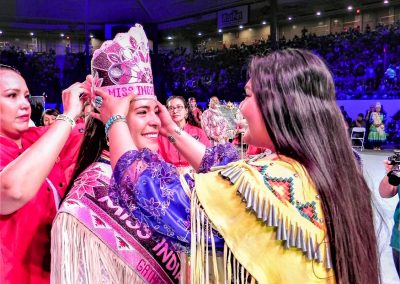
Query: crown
x=122, y=66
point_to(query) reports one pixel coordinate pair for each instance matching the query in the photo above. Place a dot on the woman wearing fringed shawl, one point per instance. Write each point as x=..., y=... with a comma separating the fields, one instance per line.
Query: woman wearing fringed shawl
x=300, y=214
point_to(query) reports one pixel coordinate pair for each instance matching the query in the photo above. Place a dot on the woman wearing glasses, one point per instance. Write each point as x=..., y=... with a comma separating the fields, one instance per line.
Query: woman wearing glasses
x=179, y=111
x=31, y=178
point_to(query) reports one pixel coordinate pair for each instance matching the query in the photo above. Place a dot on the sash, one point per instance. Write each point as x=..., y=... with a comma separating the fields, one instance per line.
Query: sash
x=147, y=253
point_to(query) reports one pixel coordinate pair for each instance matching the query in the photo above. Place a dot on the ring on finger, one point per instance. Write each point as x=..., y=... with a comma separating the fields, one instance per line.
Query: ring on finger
x=98, y=101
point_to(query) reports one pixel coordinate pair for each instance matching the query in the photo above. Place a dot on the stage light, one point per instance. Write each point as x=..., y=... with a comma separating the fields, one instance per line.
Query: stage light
x=91, y=36
x=358, y=11
x=289, y=18
x=386, y=2
x=170, y=37
x=32, y=34
x=199, y=34
x=350, y=8
x=1, y=32
x=264, y=22
x=318, y=13
x=240, y=27
x=220, y=30
x=61, y=35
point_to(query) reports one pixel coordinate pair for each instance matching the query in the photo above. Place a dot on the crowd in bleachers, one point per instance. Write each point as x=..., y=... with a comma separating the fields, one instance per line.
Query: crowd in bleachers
x=365, y=65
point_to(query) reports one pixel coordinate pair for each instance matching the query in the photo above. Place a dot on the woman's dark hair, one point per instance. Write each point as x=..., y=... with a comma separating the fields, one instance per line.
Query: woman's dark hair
x=93, y=143
x=10, y=68
x=296, y=94
x=52, y=111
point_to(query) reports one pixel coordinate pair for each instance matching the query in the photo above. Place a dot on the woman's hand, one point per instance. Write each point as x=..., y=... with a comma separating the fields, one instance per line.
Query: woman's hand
x=167, y=124
x=111, y=105
x=386, y=190
x=72, y=101
x=388, y=166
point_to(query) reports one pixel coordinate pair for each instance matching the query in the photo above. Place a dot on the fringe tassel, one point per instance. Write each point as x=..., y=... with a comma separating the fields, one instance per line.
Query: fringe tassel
x=205, y=269
x=74, y=260
x=290, y=233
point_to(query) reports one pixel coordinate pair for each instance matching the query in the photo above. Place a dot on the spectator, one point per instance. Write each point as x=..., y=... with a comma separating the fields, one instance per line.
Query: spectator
x=214, y=124
x=387, y=190
x=49, y=116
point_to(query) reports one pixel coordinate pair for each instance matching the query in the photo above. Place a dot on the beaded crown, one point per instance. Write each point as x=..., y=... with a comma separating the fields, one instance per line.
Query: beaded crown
x=122, y=66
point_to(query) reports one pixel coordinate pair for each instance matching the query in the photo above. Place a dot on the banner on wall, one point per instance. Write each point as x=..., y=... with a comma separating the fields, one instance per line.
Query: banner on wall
x=233, y=17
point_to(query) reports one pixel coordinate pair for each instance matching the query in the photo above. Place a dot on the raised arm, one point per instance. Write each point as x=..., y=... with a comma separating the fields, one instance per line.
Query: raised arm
x=21, y=179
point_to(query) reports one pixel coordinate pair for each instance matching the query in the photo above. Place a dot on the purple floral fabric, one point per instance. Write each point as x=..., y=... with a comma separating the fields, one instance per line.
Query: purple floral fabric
x=218, y=155
x=151, y=190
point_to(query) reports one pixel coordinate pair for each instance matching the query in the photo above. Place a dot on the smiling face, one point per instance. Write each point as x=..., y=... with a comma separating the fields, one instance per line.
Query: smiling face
x=178, y=111
x=256, y=133
x=144, y=123
x=15, y=109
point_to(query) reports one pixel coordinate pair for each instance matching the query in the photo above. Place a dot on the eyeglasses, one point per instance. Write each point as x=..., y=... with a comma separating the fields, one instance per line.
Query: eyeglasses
x=178, y=108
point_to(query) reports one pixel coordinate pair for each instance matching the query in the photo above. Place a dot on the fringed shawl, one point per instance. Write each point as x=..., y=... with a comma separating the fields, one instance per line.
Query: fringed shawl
x=96, y=241
x=270, y=217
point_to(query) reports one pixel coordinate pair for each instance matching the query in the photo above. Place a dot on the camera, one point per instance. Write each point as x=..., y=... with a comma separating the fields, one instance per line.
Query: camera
x=394, y=174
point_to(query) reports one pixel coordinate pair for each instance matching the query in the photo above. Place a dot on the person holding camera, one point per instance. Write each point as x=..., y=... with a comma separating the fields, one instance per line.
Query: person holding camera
x=388, y=188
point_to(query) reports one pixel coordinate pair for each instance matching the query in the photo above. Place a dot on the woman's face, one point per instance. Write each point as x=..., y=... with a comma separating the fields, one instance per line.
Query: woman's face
x=177, y=110
x=144, y=124
x=15, y=109
x=214, y=102
x=256, y=133
x=193, y=103
x=48, y=119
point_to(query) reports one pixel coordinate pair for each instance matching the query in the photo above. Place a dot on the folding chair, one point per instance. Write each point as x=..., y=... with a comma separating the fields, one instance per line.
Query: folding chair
x=357, y=137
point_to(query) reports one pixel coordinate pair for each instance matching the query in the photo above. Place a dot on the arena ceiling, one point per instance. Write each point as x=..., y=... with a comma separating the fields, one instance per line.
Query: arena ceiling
x=190, y=15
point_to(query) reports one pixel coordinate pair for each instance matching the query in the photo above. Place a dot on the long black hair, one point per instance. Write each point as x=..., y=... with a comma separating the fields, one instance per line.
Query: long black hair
x=296, y=94
x=93, y=143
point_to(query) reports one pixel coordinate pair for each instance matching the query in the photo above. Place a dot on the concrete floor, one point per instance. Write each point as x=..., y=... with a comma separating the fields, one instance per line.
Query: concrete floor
x=374, y=172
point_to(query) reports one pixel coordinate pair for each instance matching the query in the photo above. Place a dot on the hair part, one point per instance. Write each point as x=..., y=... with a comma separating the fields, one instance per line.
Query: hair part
x=296, y=94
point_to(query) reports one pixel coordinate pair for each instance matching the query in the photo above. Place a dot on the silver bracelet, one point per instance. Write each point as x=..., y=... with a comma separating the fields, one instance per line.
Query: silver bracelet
x=172, y=138
x=66, y=118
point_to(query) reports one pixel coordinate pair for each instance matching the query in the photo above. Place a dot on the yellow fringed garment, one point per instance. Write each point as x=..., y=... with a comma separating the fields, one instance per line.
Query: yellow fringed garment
x=268, y=239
